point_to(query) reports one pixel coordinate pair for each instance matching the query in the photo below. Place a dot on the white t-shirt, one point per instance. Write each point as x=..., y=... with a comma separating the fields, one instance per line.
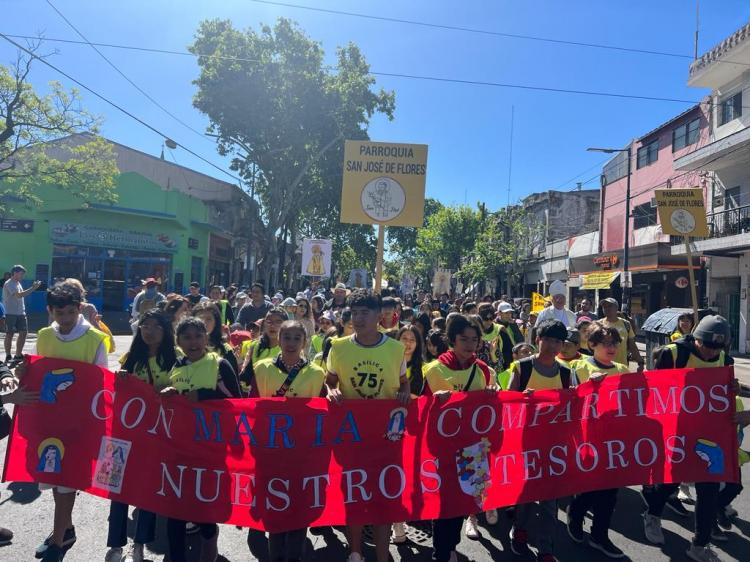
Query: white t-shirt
x=13, y=304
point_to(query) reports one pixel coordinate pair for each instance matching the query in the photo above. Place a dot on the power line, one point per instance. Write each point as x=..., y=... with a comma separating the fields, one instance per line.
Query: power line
x=401, y=75
x=121, y=73
x=587, y=170
x=116, y=106
x=474, y=30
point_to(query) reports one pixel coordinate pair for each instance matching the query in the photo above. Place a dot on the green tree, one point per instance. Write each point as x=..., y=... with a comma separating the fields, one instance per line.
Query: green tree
x=49, y=140
x=447, y=239
x=402, y=240
x=277, y=108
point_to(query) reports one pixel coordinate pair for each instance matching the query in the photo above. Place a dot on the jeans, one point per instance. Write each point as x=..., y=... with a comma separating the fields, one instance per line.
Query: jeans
x=288, y=544
x=176, y=537
x=706, y=504
x=547, y=523
x=602, y=504
x=117, y=536
x=446, y=534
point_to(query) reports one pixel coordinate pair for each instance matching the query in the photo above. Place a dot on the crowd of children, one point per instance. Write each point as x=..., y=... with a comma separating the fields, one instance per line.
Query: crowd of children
x=307, y=347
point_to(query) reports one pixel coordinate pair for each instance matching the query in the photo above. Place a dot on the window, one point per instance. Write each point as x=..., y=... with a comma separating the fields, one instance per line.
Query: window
x=643, y=216
x=730, y=108
x=648, y=154
x=732, y=198
x=685, y=135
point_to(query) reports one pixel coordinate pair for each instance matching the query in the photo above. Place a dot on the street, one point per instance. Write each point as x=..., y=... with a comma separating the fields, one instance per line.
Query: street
x=29, y=515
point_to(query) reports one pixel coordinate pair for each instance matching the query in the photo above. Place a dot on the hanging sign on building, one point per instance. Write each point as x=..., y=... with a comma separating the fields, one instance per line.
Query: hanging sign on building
x=682, y=212
x=384, y=183
x=91, y=235
x=16, y=225
x=316, y=257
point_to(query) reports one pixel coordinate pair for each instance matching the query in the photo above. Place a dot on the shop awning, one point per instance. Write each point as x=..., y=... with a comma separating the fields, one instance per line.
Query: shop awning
x=599, y=280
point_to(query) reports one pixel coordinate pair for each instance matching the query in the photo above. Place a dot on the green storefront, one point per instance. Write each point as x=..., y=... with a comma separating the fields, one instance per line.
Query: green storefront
x=148, y=232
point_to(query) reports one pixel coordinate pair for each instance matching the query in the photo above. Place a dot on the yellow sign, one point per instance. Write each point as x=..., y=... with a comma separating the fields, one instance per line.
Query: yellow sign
x=537, y=302
x=384, y=183
x=599, y=280
x=682, y=212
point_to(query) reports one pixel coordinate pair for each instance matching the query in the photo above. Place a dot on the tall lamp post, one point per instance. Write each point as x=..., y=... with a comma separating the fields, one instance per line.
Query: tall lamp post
x=627, y=282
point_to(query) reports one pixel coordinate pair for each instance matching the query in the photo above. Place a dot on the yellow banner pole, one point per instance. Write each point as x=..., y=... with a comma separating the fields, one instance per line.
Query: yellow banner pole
x=691, y=275
x=379, y=262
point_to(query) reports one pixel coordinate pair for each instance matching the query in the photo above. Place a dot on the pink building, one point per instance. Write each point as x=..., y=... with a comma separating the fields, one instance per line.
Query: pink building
x=658, y=275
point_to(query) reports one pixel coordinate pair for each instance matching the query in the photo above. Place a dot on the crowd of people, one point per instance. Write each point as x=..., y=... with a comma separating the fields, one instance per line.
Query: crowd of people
x=244, y=344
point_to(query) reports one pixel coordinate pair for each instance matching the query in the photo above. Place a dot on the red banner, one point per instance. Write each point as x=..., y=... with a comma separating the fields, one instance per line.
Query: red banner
x=279, y=464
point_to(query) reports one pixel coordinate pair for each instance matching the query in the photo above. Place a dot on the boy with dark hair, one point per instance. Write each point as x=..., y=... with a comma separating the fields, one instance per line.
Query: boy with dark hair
x=71, y=337
x=367, y=365
x=704, y=348
x=389, y=314
x=541, y=371
x=256, y=308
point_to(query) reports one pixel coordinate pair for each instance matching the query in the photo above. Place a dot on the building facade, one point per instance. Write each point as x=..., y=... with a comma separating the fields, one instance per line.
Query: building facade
x=724, y=163
x=169, y=222
x=658, y=276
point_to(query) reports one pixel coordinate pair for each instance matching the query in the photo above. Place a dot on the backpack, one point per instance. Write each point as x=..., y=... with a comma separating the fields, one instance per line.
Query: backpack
x=527, y=366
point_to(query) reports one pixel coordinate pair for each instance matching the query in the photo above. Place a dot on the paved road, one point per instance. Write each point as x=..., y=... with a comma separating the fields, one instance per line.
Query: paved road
x=28, y=514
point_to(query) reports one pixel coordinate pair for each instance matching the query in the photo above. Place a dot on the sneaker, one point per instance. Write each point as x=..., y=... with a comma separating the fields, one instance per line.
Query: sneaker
x=717, y=535
x=191, y=528
x=685, y=495
x=677, y=507
x=53, y=553
x=607, y=547
x=399, y=533
x=546, y=557
x=730, y=512
x=491, y=517
x=652, y=528
x=355, y=557
x=113, y=555
x=6, y=535
x=134, y=553
x=471, y=527
x=69, y=540
x=724, y=521
x=519, y=542
x=702, y=554
x=575, y=529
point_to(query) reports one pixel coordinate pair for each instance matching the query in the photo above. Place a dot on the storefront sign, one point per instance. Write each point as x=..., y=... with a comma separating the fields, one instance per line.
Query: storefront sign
x=90, y=235
x=287, y=463
x=599, y=280
x=384, y=183
x=681, y=282
x=682, y=212
x=606, y=262
x=16, y=225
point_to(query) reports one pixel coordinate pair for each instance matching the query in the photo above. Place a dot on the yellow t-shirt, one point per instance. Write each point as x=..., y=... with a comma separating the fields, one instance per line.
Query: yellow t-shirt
x=367, y=371
x=441, y=377
x=587, y=366
x=269, y=378
x=625, y=334
x=160, y=377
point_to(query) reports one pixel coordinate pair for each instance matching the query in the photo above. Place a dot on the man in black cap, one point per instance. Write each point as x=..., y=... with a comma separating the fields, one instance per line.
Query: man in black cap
x=195, y=296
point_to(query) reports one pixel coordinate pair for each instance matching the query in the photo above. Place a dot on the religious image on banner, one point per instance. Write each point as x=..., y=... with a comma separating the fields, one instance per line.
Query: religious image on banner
x=316, y=257
x=441, y=282
x=357, y=279
x=407, y=284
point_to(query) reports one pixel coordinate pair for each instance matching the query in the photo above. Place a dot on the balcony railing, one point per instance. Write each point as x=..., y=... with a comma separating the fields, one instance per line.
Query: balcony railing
x=721, y=224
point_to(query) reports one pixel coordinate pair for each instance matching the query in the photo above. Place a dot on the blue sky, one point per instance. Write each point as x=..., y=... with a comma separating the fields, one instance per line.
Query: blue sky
x=467, y=127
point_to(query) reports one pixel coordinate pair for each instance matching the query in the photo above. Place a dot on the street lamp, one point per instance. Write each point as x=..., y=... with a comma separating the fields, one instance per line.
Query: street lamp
x=627, y=282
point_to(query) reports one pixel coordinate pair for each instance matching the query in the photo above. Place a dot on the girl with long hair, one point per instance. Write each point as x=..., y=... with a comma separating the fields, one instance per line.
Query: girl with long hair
x=209, y=313
x=267, y=345
x=151, y=357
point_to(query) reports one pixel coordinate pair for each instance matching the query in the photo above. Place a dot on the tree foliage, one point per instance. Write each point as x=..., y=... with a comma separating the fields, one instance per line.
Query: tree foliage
x=49, y=140
x=279, y=110
x=402, y=240
x=448, y=237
